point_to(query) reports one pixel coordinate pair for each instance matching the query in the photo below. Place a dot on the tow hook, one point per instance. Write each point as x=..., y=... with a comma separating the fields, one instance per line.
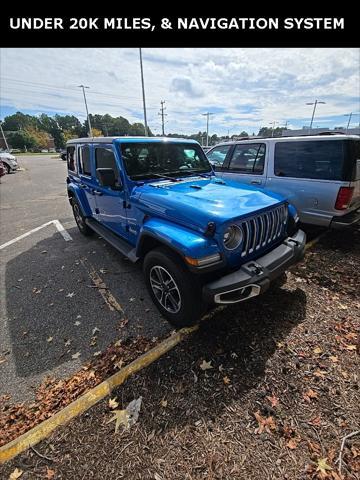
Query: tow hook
x=254, y=268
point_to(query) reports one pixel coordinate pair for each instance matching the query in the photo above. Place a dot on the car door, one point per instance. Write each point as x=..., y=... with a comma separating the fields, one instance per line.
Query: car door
x=247, y=164
x=110, y=203
x=217, y=156
x=88, y=182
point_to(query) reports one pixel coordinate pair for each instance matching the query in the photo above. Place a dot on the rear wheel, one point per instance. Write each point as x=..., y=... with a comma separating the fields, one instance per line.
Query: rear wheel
x=80, y=219
x=174, y=290
x=8, y=169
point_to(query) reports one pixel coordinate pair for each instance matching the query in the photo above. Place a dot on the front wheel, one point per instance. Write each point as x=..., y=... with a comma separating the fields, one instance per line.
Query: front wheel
x=174, y=290
x=80, y=219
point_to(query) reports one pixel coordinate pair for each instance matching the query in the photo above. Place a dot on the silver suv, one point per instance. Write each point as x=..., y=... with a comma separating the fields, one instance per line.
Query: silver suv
x=320, y=175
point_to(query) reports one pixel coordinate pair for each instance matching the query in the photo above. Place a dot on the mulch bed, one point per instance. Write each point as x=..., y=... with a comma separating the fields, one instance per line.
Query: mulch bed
x=265, y=390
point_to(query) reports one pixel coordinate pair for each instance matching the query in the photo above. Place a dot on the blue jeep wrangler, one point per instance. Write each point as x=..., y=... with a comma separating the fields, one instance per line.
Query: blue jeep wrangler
x=202, y=240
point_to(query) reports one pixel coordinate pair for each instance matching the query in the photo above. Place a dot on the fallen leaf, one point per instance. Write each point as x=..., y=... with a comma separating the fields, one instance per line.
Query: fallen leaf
x=79, y=316
x=70, y=294
x=77, y=323
x=334, y=358
x=350, y=347
x=273, y=400
x=317, y=350
x=226, y=380
x=265, y=424
x=119, y=364
x=164, y=403
x=15, y=474
x=50, y=339
x=95, y=330
x=121, y=417
x=76, y=355
x=67, y=343
x=50, y=473
x=206, y=365
x=316, y=421
x=322, y=466
x=320, y=373
x=292, y=444
x=309, y=395
x=127, y=417
x=113, y=403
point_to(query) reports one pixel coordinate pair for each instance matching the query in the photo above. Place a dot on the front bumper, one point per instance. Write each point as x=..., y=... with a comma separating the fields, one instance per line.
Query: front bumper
x=346, y=220
x=254, y=277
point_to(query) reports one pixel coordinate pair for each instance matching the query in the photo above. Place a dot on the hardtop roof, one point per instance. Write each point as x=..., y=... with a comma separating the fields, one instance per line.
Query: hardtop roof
x=130, y=140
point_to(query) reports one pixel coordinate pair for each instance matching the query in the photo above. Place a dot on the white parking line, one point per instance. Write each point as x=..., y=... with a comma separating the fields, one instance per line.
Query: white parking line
x=66, y=235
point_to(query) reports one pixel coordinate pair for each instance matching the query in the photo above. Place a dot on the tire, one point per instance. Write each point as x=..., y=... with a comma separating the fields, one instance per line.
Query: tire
x=182, y=303
x=80, y=219
x=8, y=169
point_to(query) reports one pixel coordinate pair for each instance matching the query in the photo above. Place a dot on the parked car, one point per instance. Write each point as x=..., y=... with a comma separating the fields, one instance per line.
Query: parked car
x=63, y=154
x=2, y=170
x=202, y=240
x=9, y=161
x=319, y=175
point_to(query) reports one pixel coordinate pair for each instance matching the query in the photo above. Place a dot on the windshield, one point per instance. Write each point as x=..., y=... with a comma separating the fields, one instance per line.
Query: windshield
x=152, y=160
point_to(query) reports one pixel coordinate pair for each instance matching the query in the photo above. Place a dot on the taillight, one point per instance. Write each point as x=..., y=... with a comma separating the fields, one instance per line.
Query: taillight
x=344, y=198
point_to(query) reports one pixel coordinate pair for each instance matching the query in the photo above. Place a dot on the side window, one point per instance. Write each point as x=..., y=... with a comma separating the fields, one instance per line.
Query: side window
x=105, y=158
x=84, y=160
x=71, y=158
x=248, y=158
x=218, y=154
x=316, y=159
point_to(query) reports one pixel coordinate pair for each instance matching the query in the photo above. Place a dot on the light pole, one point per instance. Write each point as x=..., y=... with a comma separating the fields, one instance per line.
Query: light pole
x=348, y=124
x=87, y=111
x=143, y=94
x=3, y=135
x=313, y=114
x=207, y=115
x=163, y=115
x=272, y=127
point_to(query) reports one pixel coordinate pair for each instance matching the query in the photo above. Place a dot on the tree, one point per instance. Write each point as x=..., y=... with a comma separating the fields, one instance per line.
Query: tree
x=21, y=140
x=52, y=127
x=96, y=132
x=19, y=121
x=243, y=134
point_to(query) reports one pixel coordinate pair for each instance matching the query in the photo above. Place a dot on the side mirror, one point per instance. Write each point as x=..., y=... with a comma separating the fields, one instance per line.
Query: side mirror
x=106, y=177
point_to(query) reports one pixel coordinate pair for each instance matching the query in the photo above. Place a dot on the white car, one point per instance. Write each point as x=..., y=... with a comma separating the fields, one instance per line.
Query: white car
x=9, y=161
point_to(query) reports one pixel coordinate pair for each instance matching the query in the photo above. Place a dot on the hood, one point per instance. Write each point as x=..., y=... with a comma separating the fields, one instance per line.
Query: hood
x=7, y=156
x=197, y=201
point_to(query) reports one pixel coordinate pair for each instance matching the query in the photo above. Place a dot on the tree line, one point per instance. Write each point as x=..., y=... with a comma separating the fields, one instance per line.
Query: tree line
x=30, y=132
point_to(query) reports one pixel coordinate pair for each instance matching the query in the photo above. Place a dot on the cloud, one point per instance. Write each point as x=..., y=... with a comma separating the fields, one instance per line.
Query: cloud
x=245, y=88
x=184, y=86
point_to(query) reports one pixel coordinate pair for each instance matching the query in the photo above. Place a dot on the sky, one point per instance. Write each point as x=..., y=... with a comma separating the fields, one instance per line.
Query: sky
x=245, y=89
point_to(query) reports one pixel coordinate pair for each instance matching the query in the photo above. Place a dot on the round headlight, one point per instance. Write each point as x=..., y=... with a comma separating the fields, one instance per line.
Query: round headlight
x=232, y=237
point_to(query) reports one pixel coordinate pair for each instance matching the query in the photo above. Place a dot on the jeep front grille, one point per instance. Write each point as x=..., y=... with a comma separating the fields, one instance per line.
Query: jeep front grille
x=262, y=230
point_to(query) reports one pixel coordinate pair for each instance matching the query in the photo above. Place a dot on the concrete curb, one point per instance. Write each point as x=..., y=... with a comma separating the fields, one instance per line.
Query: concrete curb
x=90, y=398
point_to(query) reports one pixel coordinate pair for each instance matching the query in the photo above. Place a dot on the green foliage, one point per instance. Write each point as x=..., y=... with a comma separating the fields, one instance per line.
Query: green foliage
x=268, y=131
x=21, y=140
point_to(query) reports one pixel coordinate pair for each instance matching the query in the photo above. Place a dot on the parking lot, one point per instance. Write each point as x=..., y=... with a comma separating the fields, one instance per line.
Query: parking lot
x=65, y=298
x=52, y=306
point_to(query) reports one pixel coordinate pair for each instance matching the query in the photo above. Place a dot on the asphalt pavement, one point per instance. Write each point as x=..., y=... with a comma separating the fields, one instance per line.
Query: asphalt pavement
x=53, y=317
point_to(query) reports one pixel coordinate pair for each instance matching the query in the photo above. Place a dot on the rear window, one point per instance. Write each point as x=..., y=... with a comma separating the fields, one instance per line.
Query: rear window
x=318, y=159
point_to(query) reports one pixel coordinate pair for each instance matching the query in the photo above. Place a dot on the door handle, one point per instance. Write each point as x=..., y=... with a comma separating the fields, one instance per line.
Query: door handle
x=256, y=182
x=97, y=192
x=83, y=185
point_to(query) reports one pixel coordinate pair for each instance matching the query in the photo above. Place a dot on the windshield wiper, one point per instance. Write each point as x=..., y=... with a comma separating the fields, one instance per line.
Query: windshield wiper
x=172, y=179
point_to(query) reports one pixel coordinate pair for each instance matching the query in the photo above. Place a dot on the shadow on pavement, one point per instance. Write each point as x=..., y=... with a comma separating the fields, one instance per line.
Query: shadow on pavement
x=54, y=312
